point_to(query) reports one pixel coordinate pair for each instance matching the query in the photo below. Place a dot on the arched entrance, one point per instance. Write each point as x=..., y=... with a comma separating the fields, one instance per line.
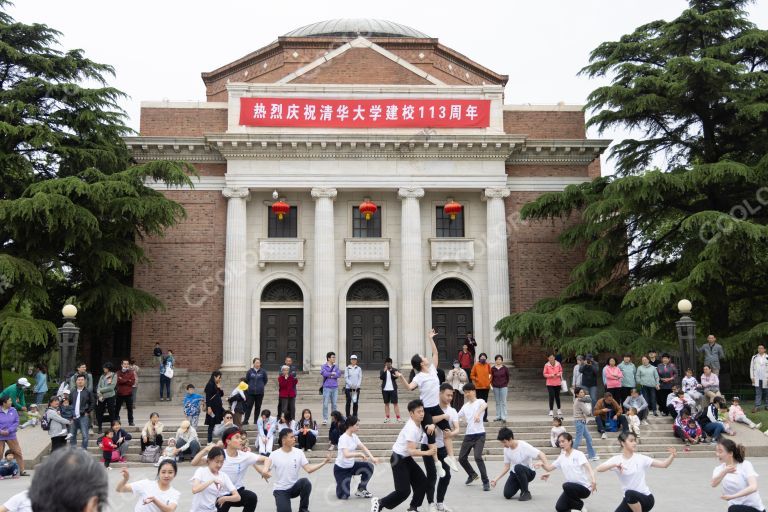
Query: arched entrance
x=282, y=324
x=368, y=323
x=451, y=316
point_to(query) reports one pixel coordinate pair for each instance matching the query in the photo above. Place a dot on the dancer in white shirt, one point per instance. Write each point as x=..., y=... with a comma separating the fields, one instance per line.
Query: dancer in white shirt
x=738, y=478
x=579, y=478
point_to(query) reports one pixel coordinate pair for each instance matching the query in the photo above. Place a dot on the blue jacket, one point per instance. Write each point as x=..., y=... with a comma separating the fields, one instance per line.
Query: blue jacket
x=256, y=380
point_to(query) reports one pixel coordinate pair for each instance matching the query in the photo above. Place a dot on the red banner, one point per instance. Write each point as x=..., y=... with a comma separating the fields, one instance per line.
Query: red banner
x=365, y=113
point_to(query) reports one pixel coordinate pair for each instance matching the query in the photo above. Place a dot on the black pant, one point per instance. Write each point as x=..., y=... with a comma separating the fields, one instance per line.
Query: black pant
x=58, y=442
x=407, y=475
x=625, y=392
x=248, y=500
x=630, y=497
x=128, y=401
x=158, y=441
x=554, y=396
x=443, y=424
x=743, y=508
x=572, y=497
x=286, y=405
x=348, y=394
x=661, y=399
x=108, y=404
x=474, y=442
x=344, y=476
x=306, y=442
x=622, y=421
x=107, y=456
x=253, y=402
x=442, y=484
x=518, y=480
x=483, y=393
x=302, y=488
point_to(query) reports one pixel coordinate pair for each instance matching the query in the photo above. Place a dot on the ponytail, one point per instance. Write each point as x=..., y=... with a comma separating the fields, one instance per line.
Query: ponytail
x=737, y=450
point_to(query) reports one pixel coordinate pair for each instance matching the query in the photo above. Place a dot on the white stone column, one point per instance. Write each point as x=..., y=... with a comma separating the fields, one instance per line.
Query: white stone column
x=412, y=303
x=498, y=267
x=235, y=270
x=324, y=303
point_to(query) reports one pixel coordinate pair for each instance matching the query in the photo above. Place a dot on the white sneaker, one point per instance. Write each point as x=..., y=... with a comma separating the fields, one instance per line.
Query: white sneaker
x=452, y=463
x=584, y=509
x=433, y=507
x=551, y=413
x=645, y=422
x=325, y=422
x=559, y=413
x=604, y=436
x=374, y=504
x=758, y=425
x=386, y=420
x=766, y=432
x=595, y=458
x=440, y=470
x=364, y=493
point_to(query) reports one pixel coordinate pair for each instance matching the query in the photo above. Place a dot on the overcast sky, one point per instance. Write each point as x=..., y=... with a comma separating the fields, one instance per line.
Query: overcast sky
x=159, y=48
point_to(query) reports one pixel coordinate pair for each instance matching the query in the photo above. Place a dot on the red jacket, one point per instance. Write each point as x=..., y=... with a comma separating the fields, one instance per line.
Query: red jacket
x=125, y=382
x=465, y=359
x=287, y=386
x=107, y=445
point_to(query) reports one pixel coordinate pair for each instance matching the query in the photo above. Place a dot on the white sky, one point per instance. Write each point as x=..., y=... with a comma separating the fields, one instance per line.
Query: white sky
x=159, y=48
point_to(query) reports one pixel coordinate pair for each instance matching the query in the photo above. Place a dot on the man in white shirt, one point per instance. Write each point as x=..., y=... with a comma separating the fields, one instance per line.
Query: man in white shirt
x=285, y=463
x=518, y=455
x=758, y=372
x=474, y=438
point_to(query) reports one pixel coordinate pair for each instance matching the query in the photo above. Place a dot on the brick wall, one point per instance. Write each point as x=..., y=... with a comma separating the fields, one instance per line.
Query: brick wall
x=539, y=124
x=360, y=66
x=185, y=271
x=182, y=122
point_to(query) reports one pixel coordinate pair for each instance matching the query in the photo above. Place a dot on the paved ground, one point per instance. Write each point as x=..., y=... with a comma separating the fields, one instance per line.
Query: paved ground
x=683, y=487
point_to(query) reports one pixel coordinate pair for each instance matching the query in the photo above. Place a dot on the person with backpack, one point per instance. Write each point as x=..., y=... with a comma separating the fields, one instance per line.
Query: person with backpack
x=57, y=427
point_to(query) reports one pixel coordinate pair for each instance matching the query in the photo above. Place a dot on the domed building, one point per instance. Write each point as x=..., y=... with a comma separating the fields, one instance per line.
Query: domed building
x=360, y=183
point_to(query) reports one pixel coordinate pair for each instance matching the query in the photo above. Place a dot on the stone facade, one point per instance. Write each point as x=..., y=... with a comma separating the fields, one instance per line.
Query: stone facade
x=216, y=269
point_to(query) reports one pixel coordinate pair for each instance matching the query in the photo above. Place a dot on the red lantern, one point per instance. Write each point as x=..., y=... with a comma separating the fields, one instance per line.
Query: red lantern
x=368, y=208
x=452, y=208
x=280, y=208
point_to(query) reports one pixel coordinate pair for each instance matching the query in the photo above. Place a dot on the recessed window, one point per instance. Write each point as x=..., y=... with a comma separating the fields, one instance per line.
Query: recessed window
x=445, y=227
x=362, y=228
x=285, y=228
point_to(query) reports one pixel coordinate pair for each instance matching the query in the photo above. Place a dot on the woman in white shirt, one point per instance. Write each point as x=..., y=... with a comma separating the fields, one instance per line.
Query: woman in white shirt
x=211, y=487
x=579, y=477
x=630, y=467
x=346, y=466
x=738, y=478
x=154, y=495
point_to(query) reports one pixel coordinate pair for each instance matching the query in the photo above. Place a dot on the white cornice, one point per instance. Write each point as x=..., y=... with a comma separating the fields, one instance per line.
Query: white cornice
x=206, y=183
x=545, y=108
x=558, y=151
x=190, y=149
x=343, y=90
x=185, y=104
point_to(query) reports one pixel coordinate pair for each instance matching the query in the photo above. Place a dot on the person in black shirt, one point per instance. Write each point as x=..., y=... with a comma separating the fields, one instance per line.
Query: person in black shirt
x=589, y=373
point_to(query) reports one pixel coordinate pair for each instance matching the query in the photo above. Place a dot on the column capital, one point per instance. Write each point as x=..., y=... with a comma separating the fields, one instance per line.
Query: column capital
x=410, y=193
x=327, y=193
x=496, y=193
x=236, y=193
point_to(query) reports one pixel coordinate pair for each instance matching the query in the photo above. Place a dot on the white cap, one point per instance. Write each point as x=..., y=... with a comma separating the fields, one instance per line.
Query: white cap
x=353, y=356
x=24, y=382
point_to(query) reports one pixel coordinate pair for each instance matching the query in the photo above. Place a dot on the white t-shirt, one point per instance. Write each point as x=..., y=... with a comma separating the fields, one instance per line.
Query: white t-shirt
x=429, y=387
x=410, y=432
x=453, y=419
x=632, y=475
x=285, y=466
x=19, y=503
x=148, y=488
x=350, y=443
x=523, y=454
x=388, y=381
x=572, y=468
x=469, y=411
x=736, y=482
x=235, y=467
x=205, y=500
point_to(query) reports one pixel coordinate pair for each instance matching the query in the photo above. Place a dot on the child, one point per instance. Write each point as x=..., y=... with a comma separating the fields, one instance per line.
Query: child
x=679, y=400
x=237, y=401
x=212, y=487
x=691, y=386
x=337, y=428
x=722, y=417
x=157, y=354
x=33, y=416
x=107, y=447
x=633, y=421
x=193, y=404
x=9, y=468
x=668, y=407
x=691, y=433
x=307, y=435
x=66, y=411
x=557, y=429
x=736, y=414
x=265, y=428
x=169, y=453
x=680, y=422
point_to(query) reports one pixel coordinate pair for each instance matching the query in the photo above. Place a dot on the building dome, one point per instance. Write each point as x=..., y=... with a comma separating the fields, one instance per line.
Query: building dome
x=353, y=27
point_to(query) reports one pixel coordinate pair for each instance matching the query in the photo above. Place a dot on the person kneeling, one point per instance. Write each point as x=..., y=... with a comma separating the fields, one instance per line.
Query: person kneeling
x=518, y=455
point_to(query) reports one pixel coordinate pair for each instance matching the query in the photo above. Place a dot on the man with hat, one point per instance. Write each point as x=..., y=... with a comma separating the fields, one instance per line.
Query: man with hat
x=16, y=392
x=353, y=378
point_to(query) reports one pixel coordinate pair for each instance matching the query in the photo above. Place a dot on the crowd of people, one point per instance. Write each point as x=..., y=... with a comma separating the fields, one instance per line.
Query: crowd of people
x=279, y=448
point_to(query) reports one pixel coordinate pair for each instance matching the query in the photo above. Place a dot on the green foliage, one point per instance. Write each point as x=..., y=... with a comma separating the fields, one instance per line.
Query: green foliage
x=698, y=88
x=72, y=204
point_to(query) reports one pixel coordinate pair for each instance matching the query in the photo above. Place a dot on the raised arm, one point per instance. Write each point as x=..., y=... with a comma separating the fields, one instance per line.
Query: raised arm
x=666, y=462
x=311, y=468
x=123, y=485
x=431, y=335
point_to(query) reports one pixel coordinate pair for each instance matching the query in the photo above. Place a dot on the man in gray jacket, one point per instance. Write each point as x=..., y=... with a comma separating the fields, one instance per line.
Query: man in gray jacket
x=713, y=353
x=353, y=378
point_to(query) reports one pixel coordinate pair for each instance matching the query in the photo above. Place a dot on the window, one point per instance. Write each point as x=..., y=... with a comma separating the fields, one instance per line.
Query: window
x=445, y=227
x=285, y=228
x=362, y=228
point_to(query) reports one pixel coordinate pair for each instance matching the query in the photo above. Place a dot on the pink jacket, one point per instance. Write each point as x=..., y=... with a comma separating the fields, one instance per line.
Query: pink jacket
x=553, y=374
x=612, y=376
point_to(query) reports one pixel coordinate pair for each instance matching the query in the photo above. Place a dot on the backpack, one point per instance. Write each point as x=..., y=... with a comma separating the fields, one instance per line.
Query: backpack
x=151, y=454
x=44, y=423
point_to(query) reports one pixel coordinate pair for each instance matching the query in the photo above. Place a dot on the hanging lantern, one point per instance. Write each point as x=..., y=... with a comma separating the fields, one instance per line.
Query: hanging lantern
x=452, y=208
x=280, y=208
x=368, y=208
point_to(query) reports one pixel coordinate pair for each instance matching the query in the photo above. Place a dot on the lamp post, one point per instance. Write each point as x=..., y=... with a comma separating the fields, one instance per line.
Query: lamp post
x=686, y=335
x=68, y=336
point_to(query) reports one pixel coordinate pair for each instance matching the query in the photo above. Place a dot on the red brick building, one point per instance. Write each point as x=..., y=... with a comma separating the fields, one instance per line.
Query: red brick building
x=327, y=120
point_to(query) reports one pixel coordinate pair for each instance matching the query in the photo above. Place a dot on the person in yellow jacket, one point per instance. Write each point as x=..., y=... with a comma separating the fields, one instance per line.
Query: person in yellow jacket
x=481, y=378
